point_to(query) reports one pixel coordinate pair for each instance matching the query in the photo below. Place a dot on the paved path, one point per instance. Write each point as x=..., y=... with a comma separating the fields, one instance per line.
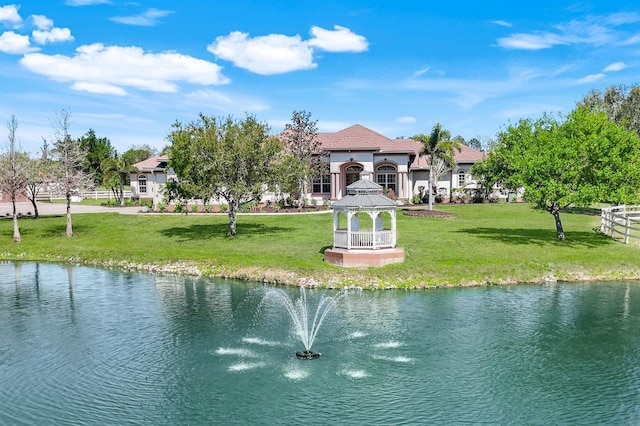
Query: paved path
x=46, y=209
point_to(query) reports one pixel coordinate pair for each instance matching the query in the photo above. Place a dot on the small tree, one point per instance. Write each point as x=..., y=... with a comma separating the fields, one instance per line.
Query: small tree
x=40, y=174
x=438, y=146
x=117, y=171
x=301, y=141
x=229, y=158
x=71, y=176
x=13, y=173
x=98, y=150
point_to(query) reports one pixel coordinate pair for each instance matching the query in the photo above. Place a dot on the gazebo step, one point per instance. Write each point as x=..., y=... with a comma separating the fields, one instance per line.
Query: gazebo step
x=363, y=258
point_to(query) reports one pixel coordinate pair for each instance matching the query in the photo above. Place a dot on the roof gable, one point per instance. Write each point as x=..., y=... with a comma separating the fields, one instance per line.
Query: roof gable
x=157, y=163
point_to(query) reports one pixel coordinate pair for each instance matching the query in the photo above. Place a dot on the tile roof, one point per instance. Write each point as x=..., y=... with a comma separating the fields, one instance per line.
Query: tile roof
x=360, y=138
x=157, y=163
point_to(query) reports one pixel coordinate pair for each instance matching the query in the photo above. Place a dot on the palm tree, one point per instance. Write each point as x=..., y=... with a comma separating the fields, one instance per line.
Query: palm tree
x=438, y=147
x=118, y=167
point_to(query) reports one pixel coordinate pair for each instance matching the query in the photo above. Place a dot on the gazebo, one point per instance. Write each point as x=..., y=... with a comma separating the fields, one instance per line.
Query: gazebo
x=364, y=227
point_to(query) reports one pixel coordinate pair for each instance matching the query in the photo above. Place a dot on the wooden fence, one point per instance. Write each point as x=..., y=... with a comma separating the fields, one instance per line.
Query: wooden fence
x=621, y=223
x=94, y=195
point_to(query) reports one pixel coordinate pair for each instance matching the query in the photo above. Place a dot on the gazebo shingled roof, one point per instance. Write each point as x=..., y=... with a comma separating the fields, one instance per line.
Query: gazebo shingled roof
x=364, y=194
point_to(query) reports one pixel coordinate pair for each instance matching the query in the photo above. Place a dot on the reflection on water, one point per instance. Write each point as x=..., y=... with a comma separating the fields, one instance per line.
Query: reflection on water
x=88, y=346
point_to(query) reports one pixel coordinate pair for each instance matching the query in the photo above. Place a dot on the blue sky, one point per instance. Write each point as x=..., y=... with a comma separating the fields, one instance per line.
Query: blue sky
x=129, y=70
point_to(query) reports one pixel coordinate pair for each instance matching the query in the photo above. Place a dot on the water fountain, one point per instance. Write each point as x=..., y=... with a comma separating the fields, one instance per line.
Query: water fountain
x=299, y=312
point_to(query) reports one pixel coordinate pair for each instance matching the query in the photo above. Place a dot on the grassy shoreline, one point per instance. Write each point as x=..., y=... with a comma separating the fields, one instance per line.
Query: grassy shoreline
x=483, y=244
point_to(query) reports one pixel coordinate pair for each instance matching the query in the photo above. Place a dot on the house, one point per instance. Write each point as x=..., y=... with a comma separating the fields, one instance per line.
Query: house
x=148, y=182
x=395, y=164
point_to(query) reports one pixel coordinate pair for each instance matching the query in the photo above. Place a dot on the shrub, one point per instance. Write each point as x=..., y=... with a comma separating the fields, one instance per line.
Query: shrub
x=224, y=208
x=195, y=208
x=417, y=199
x=325, y=204
x=162, y=207
x=179, y=207
x=208, y=208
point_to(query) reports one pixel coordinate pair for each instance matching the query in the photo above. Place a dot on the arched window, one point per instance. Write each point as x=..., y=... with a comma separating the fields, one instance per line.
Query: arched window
x=387, y=177
x=462, y=178
x=142, y=184
x=353, y=173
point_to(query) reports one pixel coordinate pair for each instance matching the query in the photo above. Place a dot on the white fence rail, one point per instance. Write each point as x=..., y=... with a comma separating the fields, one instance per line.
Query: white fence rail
x=94, y=195
x=621, y=223
x=364, y=240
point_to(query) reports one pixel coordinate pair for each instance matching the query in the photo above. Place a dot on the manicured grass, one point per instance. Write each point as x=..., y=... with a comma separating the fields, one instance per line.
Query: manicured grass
x=484, y=243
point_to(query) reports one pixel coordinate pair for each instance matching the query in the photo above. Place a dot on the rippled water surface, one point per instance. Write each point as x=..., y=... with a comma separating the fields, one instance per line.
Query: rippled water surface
x=88, y=346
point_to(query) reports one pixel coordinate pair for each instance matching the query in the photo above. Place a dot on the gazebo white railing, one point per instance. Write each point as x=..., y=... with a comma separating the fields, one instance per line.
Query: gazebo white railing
x=364, y=198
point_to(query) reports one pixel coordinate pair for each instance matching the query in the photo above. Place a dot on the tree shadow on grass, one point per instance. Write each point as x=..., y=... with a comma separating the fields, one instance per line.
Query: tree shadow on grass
x=61, y=229
x=540, y=237
x=201, y=232
x=588, y=211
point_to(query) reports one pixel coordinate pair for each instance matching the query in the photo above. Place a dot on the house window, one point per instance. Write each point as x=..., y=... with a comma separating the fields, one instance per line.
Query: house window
x=387, y=176
x=322, y=185
x=462, y=178
x=142, y=184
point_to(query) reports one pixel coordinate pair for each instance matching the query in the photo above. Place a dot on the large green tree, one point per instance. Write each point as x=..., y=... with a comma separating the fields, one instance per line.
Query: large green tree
x=578, y=161
x=440, y=149
x=620, y=103
x=97, y=151
x=231, y=159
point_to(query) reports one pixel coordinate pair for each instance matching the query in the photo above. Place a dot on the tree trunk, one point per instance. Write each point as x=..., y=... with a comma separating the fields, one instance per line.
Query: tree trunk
x=121, y=192
x=232, y=219
x=555, y=211
x=69, y=226
x=16, y=230
x=431, y=177
x=35, y=208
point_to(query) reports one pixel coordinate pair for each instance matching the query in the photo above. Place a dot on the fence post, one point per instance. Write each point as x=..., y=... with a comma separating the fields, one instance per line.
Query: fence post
x=627, y=230
x=612, y=223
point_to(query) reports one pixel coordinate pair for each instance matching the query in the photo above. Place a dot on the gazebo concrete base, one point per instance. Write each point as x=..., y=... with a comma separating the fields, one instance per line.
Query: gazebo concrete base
x=363, y=258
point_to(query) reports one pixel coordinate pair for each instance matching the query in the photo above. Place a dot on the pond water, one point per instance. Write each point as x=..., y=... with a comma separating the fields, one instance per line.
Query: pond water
x=88, y=346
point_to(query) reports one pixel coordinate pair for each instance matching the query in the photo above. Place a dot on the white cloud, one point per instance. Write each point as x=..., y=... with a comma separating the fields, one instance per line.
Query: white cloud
x=104, y=88
x=42, y=22
x=86, y=2
x=421, y=72
x=631, y=41
x=278, y=53
x=236, y=103
x=341, y=39
x=406, y=120
x=9, y=15
x=590, y=78
x=16, y=44
x=149, y=18
x=592, y=30
x=99, y=69
x=622, y=18
x=616, y=66
x=531, y=41
x=52, y=36
x=271, y=54
x=502, y=23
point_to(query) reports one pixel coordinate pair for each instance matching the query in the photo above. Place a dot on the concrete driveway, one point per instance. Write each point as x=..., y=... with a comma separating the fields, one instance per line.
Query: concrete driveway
x=54, y=209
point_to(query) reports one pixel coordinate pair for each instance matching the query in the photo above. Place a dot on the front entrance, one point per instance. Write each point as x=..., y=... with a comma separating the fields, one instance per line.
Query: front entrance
x=352, y=174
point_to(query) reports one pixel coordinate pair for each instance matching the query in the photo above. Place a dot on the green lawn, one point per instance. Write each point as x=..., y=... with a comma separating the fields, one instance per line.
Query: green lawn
x=484, y=243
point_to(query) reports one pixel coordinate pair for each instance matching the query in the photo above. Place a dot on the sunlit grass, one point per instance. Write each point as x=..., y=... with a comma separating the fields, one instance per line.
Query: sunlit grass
x=488, y=243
